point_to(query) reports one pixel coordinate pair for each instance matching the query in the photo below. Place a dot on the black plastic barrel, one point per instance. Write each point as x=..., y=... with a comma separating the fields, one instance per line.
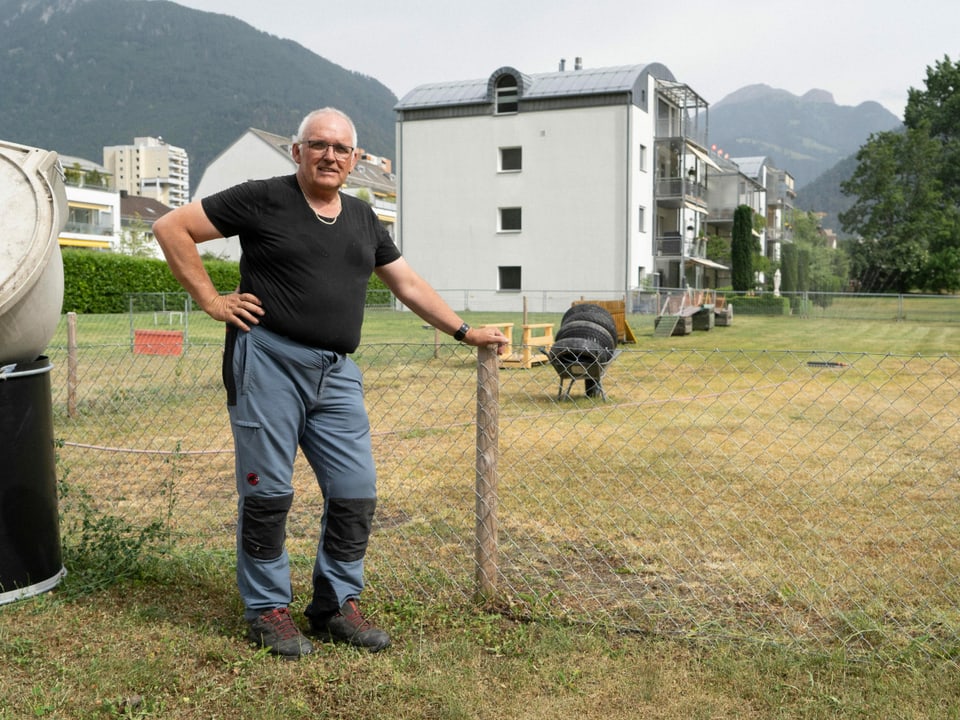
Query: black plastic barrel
x=30, y=554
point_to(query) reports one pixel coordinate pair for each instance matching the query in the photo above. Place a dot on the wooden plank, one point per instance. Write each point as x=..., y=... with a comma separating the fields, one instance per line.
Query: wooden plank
x=617, y=310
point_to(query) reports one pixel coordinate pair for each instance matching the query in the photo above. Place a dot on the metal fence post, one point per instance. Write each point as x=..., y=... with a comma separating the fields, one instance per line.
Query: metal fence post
x=488, y=420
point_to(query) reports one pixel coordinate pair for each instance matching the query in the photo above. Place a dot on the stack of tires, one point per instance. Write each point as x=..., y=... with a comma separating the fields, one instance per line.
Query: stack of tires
x=584, y=345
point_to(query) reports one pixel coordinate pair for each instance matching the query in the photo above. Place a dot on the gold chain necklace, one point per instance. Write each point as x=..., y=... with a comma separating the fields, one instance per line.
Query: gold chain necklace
x=320, y=217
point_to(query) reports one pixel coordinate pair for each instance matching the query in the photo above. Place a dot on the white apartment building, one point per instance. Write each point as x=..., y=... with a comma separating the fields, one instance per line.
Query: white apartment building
x=552, y=186
x=150, y=168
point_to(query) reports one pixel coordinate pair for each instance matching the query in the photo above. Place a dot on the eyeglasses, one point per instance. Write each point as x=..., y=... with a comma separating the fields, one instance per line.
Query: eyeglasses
x=341, y=152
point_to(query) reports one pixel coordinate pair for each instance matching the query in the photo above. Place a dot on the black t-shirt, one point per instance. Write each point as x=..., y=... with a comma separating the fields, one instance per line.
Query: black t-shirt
x=311, y=277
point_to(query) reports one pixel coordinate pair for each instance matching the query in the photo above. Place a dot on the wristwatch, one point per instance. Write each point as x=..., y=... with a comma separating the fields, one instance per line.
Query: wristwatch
x=460, y=334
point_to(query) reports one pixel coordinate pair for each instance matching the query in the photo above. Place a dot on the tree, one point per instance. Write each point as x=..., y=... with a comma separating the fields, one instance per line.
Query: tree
x=939, y=108
x=718, y=249
x=788, y=269
x=741, y=249
x=897, y=207
x=820, y=269
x=907, y=190
x=137, y=240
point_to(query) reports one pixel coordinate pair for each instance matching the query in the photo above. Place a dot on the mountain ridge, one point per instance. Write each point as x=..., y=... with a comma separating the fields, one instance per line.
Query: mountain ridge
x=78, y=75
x=805, y=135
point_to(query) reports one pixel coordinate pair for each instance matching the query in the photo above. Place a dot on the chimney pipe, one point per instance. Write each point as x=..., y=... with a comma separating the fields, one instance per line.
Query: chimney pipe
x=578, y=64
x=563, y=64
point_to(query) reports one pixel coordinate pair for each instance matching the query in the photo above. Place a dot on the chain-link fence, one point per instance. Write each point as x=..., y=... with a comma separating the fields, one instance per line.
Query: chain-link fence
x=770, y=496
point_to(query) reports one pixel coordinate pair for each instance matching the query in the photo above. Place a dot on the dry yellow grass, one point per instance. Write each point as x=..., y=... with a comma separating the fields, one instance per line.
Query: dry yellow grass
x=740, y=498
x=740, y=489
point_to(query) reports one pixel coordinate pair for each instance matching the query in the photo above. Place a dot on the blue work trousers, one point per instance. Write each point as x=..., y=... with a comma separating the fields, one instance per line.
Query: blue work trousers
x=283, y=395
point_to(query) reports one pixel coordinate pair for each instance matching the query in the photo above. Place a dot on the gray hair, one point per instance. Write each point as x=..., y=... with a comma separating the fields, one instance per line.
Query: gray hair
x=324, y=111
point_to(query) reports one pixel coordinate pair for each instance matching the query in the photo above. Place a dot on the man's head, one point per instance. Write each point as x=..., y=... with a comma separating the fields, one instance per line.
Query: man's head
x=305, y=123
x=325, y=149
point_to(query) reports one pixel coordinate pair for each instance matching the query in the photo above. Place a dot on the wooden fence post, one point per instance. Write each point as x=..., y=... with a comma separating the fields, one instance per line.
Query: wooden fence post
x=488, y=421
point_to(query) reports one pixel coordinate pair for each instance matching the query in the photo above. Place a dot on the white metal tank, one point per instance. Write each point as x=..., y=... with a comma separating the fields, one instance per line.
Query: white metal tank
x=33, y=210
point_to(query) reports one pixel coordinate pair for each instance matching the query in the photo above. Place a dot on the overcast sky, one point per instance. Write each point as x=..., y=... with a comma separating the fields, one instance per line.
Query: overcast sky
x=858, y=50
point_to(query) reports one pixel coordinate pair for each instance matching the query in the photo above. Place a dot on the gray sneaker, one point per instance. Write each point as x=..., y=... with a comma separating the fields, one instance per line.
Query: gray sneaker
x=349, y=625
x=276, y=631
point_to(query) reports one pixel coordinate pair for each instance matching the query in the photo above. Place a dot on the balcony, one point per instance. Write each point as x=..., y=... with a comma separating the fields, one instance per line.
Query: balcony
x=683, y=131
x=82, y=228
x=676, y=191
x=672, y=244
x=717, y=216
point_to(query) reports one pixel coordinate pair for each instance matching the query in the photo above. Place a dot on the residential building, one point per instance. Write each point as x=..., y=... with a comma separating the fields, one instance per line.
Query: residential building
x=730, y=188
x=93, y=207
x=779, y=196
x=150, y=168
x=553, y=186
x=137, y=215
x=258, y=154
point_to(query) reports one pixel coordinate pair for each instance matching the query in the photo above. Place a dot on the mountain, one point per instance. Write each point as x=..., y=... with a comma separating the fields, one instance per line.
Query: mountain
x=823, y=195
x=806, y=135
x=77, y=75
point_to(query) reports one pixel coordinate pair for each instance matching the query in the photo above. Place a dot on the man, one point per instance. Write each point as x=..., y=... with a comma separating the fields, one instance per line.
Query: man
x=308, y=252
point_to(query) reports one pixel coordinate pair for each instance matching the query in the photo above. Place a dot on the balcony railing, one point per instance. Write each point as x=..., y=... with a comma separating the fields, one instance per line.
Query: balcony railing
x=685, y=130
x=680, y=187
x=721, y=215
x=88, y=228
x=675, y=246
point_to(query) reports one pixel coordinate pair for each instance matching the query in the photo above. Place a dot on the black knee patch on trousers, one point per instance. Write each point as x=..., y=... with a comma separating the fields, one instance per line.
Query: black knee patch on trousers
x=265, y=525
x=348, y=527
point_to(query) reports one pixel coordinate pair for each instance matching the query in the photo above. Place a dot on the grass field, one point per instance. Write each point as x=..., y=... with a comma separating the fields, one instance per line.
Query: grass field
x=165, y=641
x=842, y=331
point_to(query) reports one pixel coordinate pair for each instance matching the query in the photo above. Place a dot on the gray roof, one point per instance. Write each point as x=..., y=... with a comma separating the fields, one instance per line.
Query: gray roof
x=586, y=81
x=69, y=161
x=750, y=166
x=147, y=209
x=280, y=142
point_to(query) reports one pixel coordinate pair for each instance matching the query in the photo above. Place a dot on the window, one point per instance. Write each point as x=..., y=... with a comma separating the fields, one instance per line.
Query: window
x=642, y=217
x=510, y=220
x=509, y=277
x=643, y=158
x=511, y=159
x=507, y=95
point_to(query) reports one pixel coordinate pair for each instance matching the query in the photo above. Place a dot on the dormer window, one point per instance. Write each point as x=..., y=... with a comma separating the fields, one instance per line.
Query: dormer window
x=507, y=95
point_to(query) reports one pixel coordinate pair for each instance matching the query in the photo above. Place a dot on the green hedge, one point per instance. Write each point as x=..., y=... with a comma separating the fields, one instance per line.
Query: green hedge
x=101, y=282
x=760, y=305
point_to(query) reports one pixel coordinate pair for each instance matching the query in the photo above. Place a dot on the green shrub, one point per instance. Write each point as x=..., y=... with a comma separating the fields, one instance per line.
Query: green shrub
x=100, y=282
x=801, y=305
x=760, y=305
x=378, y=294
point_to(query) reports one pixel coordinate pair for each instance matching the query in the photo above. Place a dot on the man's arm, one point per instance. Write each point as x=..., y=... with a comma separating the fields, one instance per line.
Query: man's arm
x=178, y=233
x=417, y=294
